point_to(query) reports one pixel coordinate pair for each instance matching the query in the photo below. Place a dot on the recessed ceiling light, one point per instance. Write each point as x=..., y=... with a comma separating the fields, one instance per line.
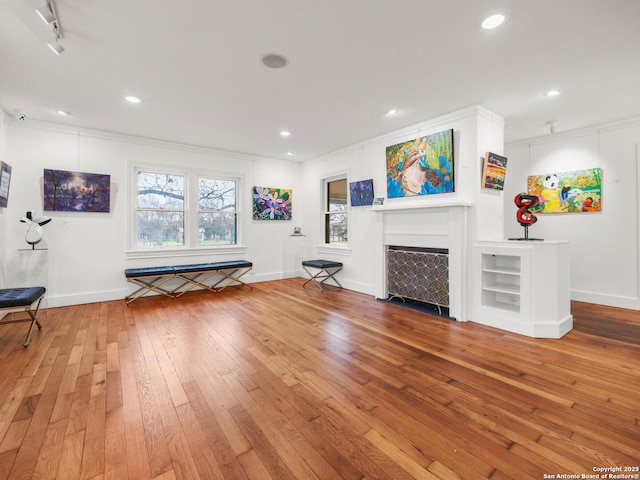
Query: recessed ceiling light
x=284, y=133
x=494, y=19
x=274, y=61
x=393, y=111
x=552, y=93
x=290, y=154
x=132, y=99
x=63, y=113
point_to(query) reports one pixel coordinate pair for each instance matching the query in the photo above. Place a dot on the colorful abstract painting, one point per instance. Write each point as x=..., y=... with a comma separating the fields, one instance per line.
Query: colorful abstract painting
x=76, y=191
x=494, y=171
x=576, y=191
x=361, y=193
x=271, y=203
x=423, y=166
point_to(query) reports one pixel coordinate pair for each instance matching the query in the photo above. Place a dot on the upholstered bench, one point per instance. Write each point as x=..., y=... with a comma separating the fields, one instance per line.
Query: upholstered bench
x=149, y=280
x=216, y=273
x=324, y=270
x=22, y=300
x=211, y=276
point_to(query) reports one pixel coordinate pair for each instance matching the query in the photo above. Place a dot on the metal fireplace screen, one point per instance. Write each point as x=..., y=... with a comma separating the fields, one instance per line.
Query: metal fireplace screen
x=419, y=274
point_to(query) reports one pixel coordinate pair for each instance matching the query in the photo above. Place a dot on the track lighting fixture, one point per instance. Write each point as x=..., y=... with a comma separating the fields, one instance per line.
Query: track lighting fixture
x=56, y=48
x=48, y=14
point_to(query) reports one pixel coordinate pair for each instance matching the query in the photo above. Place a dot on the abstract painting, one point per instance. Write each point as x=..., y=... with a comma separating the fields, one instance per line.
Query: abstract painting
x=76, y=191
x=271, y=203
x=361, y=192
x=575, y=191
x=494, y=171
x=423, y=166
x=5, y=183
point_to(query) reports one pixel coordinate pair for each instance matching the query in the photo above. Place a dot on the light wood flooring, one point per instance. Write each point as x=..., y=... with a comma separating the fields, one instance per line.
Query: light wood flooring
x=284, y=382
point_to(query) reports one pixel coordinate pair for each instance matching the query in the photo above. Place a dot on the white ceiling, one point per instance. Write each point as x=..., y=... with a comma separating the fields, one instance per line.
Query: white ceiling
x=197, y=66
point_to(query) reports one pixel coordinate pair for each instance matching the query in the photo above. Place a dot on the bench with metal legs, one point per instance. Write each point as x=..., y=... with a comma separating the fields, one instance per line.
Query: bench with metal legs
x=17, y=300
x=324, y=270
x=210, y=276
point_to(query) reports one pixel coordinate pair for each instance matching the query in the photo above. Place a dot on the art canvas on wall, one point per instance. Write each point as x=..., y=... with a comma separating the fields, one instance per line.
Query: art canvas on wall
x=361, y=192
x=271, y=203
x=66, y=191
x=576, y=191
x=423, y=166
x=494, y=171
x=5, y=183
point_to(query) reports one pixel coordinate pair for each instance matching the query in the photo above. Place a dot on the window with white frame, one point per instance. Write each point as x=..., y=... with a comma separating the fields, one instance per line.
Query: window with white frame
x=184, y=209
x=336, y=214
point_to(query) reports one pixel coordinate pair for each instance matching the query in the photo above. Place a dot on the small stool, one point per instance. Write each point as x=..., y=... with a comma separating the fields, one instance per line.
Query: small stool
x=22, y=300
x=326, y=270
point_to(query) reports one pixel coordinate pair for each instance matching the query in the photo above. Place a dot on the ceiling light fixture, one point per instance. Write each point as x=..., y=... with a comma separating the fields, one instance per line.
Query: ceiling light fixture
x=49, y=16
x=56, y=48
x=393, y=111
x=132, y=99
x=63, y=113
x=46, y=15
x=552, y=93
x=284, y=133
x=274, y=61
x=494, y=19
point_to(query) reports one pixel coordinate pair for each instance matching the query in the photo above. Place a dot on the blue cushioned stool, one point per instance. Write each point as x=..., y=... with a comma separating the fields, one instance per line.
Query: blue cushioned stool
x=326, y=270
x=22, y=300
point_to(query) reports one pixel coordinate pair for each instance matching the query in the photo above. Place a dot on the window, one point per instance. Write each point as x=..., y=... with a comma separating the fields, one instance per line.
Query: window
x=185, y=210
x=336, y=214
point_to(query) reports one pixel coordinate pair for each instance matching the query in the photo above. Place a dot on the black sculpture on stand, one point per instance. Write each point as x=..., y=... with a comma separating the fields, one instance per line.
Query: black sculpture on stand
x=527, y=204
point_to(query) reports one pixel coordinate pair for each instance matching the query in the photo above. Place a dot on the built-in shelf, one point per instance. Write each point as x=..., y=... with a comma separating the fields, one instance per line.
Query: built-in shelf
x=501, y=281
x=523, y=287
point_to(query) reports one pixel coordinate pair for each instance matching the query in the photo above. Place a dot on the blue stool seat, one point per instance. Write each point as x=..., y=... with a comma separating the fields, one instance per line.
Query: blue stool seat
x=22, y=300
x=326, y=270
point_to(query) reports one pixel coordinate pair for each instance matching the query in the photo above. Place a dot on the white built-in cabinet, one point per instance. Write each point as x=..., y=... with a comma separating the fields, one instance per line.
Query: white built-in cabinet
x=523, y=287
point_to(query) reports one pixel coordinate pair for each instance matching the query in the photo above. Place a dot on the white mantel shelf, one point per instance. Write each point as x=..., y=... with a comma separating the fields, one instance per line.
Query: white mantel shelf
x=390, y=208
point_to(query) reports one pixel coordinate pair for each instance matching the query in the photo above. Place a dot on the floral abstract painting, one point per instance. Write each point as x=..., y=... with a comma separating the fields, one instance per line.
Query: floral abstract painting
x=271, y=203
x=76, y=191
x=576, y=191
x=361, y=193
x=423, y=166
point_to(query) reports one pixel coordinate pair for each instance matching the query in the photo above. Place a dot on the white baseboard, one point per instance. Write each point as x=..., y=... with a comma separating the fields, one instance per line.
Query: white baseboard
x=603, y=299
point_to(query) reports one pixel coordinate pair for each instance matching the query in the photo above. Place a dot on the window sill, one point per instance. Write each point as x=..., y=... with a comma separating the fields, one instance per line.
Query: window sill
x=334, y=249
x=184, y=252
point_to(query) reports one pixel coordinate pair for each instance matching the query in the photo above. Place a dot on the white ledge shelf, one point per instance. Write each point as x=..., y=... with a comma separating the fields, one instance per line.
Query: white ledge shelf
x=390, y=208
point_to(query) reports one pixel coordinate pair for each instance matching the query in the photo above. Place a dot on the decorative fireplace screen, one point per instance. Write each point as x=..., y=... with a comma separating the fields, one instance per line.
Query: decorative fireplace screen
x=420, y=274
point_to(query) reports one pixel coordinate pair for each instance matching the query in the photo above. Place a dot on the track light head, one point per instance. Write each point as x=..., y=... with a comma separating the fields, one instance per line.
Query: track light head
x=46, y=15
x=56, y=48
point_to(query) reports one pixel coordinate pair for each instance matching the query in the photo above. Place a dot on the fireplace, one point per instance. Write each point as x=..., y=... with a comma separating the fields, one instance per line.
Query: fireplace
x=418, y=274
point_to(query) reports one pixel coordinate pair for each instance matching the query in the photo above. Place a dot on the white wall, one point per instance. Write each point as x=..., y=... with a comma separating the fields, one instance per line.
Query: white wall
x=87, y=252
x=604, y=245
x=451, y=220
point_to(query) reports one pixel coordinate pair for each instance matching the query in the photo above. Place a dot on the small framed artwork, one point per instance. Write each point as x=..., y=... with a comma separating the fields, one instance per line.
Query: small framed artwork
x=5, y=182
x=494, y=171
x=378, y=201
x=361, y=193
x=76, y=191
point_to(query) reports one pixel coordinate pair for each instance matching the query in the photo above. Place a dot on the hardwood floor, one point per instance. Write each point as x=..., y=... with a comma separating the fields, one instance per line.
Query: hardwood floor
x=285, y=382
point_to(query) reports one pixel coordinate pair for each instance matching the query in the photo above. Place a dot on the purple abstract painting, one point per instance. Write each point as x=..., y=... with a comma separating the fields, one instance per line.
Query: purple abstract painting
x=76, y=191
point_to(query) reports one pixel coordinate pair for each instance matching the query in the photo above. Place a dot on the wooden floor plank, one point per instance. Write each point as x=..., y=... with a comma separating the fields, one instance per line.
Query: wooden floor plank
x=279, y=381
